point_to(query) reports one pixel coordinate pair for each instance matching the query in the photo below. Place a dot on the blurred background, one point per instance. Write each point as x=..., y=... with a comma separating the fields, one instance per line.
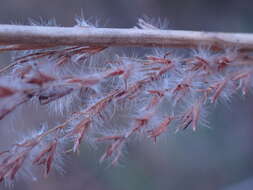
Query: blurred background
x=219, y=157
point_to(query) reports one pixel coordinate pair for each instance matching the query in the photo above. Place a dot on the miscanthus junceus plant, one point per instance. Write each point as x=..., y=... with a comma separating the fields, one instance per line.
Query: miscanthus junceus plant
x=109, y=98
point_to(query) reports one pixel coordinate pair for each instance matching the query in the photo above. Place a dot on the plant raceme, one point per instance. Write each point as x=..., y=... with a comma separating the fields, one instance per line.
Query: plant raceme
x=111, y=99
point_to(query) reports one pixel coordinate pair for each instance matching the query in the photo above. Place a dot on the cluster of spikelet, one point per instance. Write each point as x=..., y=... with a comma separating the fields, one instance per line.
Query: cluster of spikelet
x=113, y=99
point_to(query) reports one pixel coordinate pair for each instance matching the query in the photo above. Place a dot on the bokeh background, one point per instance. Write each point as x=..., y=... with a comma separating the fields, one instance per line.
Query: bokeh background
x=219, y=157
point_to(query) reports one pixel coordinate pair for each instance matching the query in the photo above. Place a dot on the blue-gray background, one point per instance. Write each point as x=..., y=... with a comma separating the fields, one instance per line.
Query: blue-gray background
x=219, y=157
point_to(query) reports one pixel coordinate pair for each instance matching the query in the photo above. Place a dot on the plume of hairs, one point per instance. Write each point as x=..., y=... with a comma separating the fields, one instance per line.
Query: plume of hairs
x=110, y=99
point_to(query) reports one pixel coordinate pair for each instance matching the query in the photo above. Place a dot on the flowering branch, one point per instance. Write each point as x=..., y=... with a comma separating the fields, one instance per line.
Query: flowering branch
x=19, y=37
x=116, y=98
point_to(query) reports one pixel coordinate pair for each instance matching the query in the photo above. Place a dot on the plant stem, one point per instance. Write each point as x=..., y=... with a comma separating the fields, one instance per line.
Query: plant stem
x=44, y=36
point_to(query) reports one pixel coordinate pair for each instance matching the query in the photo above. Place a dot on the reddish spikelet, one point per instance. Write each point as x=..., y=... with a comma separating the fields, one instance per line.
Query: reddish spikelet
x=115, y=73
x=48, y=95
x=79, y=131
x=158, y=60
x=244, y=80
x=22, y=72
x=29, y=143
x=84, y=82
x=39, y=78
x=11, y=166
x=114, y=147
x=187, y=119
x=115, y=137
x=46, y=156
x=218, y=87
x=191, y=116
x=165, y=69
x=13, y=161
x=142, y=121
x=180, y=91
x=63, y=55
x=195, y=116
x=161, y=128
x=223, y=63
x=4, y=152
x=34, y=56
x=156, y=99
x=97, y=107
x=13, y=102
x=133, y=90
x=5, y=91
x=198, y=64
x=241, y=75
x=160, y=93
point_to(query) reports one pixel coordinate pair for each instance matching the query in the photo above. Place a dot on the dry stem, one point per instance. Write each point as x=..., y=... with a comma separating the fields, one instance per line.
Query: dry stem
x=44, y=36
